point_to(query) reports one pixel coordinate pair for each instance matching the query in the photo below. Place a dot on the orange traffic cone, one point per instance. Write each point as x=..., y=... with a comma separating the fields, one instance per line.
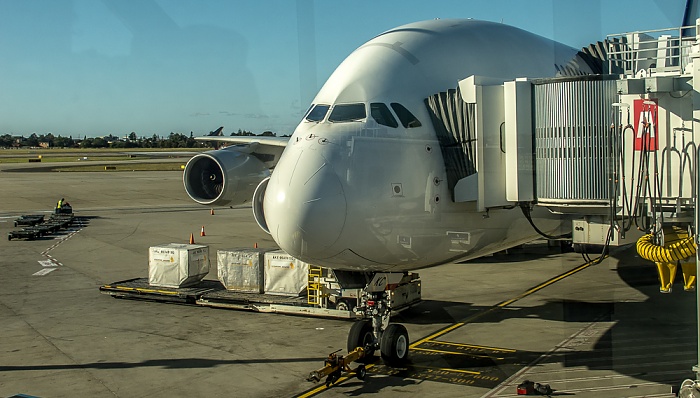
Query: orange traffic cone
x=212, y=212
x=191, y=239
x=202, y=233
x=256, y=245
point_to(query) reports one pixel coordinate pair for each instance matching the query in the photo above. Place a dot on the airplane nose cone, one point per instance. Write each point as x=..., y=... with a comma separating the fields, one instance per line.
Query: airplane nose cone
x=305, y=206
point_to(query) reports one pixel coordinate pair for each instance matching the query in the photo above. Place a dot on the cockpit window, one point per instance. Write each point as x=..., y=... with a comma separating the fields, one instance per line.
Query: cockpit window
x=317, y=113
x=308, y=110
x=382, y=115
x=406, y=117
x=347, y=113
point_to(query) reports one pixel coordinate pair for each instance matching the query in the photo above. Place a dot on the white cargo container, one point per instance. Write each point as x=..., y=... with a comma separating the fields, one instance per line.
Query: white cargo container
x=241, y=270
x=284, y=274
x=177, y=265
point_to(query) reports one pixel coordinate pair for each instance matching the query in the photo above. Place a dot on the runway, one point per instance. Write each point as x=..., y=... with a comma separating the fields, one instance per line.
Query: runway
x=484, y=326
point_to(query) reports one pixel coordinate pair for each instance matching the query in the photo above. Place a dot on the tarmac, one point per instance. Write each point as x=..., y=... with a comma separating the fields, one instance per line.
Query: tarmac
x=484, y=326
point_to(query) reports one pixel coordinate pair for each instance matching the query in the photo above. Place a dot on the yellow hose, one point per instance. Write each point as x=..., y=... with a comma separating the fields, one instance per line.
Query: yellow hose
x=679, y=246
x=673, y=252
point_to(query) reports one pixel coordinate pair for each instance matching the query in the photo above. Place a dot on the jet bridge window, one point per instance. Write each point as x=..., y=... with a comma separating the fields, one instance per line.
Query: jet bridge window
x=406, y=117
x=318, y=113
x=382, y=115
x=347, y=113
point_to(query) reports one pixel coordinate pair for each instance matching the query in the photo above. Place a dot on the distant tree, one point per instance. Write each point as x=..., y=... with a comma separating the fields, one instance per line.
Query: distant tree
x=6, y=141
x=63, y=142
x=154, y=142
x=99, y=143
x=268, y=134
x=48, y=138
x=32, y=140
x=133, y=137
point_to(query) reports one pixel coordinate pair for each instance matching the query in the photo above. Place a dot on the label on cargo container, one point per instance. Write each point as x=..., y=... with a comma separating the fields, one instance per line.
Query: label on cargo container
x=281, y=263
x=163, y=255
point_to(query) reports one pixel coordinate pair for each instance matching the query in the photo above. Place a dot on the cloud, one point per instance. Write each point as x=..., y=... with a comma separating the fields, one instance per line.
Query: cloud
x=256, y=116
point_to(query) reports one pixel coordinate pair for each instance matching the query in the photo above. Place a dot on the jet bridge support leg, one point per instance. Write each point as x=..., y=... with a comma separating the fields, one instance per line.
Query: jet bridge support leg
x=378, y=334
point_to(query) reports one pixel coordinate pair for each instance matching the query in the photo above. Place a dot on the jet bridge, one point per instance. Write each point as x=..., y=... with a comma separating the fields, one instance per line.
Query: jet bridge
x=616, y=152
x=611, y=149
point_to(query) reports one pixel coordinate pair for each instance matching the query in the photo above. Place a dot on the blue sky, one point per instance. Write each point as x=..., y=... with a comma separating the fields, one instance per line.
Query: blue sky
x=95, y=67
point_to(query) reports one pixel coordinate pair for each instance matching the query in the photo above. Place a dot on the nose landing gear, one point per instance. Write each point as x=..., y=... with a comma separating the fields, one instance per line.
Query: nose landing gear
x=370, y=334
x=374, y=332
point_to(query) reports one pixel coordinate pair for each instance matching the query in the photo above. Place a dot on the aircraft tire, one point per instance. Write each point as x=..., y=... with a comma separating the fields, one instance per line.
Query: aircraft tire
x=362, y=335
x=394, y=345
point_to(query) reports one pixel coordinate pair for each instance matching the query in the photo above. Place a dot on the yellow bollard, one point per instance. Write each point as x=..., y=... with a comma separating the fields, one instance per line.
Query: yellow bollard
x=667, y=274
x=690, y=272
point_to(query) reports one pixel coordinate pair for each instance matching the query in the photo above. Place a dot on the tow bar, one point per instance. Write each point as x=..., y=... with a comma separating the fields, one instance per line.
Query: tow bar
x=335, y=364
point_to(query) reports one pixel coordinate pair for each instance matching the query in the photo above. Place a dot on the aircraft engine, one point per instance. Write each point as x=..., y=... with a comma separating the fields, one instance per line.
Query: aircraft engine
x=258, y=210
x=223, y=177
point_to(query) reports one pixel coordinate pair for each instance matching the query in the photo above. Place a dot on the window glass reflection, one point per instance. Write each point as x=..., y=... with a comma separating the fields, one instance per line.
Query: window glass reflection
x=407, y=119
x=347, y=113
x=382, y=115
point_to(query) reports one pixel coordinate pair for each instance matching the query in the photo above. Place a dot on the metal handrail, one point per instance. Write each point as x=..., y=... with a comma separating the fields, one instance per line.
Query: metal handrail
x=668, y=47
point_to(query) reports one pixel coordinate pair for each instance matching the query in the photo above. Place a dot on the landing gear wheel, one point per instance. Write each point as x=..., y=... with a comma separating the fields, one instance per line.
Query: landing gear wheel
x=394, y=345
x=362, y=335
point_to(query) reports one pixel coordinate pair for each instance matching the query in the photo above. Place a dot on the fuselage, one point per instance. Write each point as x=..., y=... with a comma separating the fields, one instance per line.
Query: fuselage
x=362, y=183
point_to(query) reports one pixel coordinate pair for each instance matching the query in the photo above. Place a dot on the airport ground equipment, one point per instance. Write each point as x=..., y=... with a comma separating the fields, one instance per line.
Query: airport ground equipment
x=210, y=293
x=335, y=365
x=65, y=209
x=260, y=280
x=36, y=226
x=139, y=288
x=29, y=220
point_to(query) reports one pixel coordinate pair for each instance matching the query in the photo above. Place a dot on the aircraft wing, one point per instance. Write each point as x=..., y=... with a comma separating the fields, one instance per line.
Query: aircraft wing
x=272, y=141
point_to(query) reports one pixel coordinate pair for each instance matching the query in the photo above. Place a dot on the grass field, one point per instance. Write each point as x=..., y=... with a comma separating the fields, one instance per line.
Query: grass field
x=118, y=159
x=169, y=166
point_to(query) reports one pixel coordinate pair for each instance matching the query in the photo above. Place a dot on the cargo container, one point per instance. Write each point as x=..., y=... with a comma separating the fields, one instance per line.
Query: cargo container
x=241, y=270
x=177, y=265
x=284, y=274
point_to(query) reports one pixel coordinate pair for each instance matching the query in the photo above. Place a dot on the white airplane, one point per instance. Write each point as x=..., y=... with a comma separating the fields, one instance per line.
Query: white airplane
x=367, y=183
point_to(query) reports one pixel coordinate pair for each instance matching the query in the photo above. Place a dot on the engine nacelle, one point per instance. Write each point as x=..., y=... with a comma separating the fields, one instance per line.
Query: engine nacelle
x=223, y=177
x=258, y=209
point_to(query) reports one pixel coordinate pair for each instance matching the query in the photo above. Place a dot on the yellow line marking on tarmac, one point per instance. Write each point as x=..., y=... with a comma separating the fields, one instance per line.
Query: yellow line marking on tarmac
x=319, y=389
x=458, y=325
x=452, y=353
x=547, y=283
x=471, y=372
x=472, y=346
x=323, y=387
x=438, y=334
